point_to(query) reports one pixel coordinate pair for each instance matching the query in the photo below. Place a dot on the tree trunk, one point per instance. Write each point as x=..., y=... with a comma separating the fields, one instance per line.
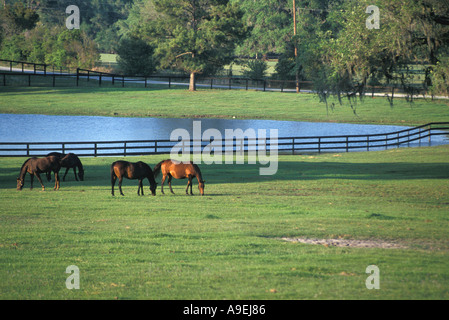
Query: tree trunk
x=192, y=84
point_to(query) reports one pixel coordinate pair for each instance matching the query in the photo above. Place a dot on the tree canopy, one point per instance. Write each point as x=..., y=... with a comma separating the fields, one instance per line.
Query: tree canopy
x=197, y=36
x=335, y=48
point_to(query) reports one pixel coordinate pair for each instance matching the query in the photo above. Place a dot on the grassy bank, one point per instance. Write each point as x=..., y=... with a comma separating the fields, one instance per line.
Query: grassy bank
x=226, y=244
x=180, y=103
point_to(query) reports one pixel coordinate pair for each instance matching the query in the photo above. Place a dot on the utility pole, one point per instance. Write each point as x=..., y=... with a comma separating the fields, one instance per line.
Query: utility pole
x=296, y=48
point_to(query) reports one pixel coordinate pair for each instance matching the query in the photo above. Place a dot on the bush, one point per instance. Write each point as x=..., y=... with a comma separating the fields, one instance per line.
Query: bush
x=255, y=69
x=135, y=57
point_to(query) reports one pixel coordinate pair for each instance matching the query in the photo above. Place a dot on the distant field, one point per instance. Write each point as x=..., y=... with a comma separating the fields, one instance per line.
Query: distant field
x=226, y=244
x=206, y=103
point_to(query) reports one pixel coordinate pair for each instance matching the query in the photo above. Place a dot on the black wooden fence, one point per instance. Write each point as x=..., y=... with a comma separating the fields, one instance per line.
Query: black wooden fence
x=421, y=135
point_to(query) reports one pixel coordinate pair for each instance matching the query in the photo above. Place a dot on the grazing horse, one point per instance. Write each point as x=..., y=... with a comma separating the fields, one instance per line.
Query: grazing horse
x=130, y=170
x=34, y=166
x=68, y=161
x=179, y=170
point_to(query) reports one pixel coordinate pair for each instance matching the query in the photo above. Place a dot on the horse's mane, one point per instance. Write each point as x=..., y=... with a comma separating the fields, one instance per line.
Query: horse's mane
x=24, y=164
x=197, y=169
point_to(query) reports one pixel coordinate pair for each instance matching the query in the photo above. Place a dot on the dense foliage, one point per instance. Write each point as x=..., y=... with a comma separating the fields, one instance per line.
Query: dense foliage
x=335, y=48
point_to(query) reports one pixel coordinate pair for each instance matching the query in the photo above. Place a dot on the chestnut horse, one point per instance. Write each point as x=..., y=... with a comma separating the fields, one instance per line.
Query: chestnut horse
x=179, y=170
x=68, y=161
x=34, y=166
x=130, y=170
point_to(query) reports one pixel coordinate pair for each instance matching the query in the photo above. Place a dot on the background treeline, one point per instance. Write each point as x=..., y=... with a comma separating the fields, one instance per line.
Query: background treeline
x=334, y=47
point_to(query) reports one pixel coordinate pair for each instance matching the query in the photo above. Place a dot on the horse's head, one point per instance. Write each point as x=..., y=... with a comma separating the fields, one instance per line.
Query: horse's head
x=153, y=188
x=20, y=183
x=201, y=186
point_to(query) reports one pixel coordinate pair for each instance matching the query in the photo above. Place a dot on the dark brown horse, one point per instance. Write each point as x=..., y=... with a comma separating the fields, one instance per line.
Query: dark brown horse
x=69, y=161
x=130, y=170
x=35, y=166
x=179, y=170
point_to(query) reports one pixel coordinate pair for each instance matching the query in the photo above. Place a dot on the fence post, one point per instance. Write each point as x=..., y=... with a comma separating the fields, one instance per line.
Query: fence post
x=367, y=143
x=169, y=82
x=155, y=146
x=264, y=85
x=229, y=83
x=99, y=82
x=293, y=146
x=95, y=149
x=347, y=144
x=54, y=84
x=63, y=148
x=246, y=84
x=77, y=76
x=28, y=149
x=124, y=149
x=211, y=82
x=319, y=145
x=29, y=80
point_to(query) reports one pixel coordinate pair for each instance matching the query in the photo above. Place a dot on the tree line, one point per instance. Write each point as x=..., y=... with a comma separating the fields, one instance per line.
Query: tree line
x=330, y=42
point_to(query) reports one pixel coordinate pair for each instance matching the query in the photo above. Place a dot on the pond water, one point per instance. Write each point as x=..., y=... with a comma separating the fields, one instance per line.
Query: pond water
x=45, y=128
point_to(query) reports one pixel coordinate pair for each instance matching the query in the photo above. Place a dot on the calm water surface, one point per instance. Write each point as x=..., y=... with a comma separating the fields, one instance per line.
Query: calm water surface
x=43, y=128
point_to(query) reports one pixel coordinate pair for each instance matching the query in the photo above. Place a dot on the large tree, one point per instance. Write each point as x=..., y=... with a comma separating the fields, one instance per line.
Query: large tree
x=196, y=36
x=349, y=54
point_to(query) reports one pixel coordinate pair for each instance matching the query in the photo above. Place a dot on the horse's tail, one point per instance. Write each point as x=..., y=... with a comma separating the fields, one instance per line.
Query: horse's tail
x=112, y=171
x=157, y=169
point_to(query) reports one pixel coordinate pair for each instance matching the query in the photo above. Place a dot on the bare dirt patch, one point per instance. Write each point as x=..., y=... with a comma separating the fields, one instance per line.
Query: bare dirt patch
x=348, y=243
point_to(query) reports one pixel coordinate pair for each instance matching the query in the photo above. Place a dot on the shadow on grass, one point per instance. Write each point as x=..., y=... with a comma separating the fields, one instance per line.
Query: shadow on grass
x=99, y=175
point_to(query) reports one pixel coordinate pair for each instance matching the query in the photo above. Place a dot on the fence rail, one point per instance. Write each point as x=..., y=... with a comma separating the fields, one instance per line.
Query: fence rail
x=61, y=76
x=293, y=145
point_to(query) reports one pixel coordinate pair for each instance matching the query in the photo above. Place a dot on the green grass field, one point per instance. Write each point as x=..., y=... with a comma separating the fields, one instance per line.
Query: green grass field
x=226, y=244
x=180, y=103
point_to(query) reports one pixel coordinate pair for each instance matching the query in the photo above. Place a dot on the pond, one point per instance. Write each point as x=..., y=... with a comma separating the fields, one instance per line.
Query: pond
x=45, y=128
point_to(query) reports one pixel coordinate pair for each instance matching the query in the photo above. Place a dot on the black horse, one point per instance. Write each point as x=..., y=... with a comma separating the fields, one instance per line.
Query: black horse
x=130, y=170
x=34, y=166
x=69, y=161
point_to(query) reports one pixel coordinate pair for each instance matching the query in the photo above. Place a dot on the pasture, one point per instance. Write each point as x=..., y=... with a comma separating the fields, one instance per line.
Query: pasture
x=206, y=103
x=227, y=244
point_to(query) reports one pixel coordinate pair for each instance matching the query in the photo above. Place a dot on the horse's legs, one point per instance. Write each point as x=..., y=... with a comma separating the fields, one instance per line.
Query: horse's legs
x=113, y=178
x=74, y=172
x=120, y=179
x=56, y=180
x=40, y=180
x=140, y=187
x=162, y=183
x=66, y=170
x=169, y=182
x=189, y=183
x=31, y=180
